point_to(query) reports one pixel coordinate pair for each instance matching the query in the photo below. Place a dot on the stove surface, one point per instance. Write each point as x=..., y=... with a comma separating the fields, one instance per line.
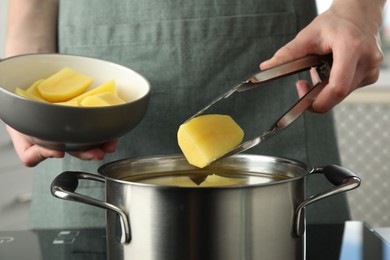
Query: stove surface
x=350, y=241
x=53, y=245
x=353, y=240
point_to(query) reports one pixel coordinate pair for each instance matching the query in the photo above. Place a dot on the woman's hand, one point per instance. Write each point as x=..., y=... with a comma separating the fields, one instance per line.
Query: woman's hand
x=32, y=28
x=31, y=154
x=349, y=30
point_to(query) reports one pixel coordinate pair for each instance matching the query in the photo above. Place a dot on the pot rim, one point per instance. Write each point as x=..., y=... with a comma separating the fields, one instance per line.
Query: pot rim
x=145, y=164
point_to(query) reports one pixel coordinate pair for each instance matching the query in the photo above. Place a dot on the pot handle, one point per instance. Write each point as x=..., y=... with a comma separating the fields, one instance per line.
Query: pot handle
x=65, y=185
x=343, y=179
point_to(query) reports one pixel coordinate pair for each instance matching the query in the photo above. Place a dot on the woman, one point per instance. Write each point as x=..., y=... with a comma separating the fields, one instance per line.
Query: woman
x=191, y=52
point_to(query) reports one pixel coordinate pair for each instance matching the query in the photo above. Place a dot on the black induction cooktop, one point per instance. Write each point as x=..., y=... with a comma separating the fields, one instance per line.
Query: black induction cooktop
x=350, y=241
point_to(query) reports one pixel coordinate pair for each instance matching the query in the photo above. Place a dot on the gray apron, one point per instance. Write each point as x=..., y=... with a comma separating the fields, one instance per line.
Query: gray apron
x=191, y=51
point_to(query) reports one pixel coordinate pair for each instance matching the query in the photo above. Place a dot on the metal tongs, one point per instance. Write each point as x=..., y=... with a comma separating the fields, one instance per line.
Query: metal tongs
x=322, y=66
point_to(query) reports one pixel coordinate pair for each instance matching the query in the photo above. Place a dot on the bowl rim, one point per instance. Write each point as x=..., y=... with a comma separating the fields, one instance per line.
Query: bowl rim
x=70, y=141
x=145, y=95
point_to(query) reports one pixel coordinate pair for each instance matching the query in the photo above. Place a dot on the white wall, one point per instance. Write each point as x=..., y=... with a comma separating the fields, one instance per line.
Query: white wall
x=3, y=18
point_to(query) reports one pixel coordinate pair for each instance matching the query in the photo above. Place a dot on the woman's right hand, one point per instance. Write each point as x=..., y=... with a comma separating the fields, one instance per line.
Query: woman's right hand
x=350, y=31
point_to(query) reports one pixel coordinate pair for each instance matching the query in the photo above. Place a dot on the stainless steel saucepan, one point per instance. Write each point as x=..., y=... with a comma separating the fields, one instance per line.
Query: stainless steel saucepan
x=249, y=206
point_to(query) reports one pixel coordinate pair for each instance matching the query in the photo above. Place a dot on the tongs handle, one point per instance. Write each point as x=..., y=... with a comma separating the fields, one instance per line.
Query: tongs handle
x=296, y=110
x=283, y=70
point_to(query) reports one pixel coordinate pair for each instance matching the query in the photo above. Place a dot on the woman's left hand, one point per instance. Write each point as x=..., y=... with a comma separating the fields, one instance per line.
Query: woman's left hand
x=31, y=154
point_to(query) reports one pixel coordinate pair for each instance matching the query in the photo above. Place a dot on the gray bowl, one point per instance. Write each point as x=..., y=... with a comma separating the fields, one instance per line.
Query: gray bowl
x=64, y=127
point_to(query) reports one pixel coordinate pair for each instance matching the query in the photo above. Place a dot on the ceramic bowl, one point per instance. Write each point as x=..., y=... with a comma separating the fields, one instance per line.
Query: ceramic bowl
x=64, y=127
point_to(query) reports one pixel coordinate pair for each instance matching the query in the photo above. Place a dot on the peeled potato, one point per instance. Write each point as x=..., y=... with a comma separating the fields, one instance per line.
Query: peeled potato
x=206, y=137
x=71, y=88
x=106, y=87
x=180, y=181
x=217, y=180
x=34, y=92
x=64, y=85
x=101, y=99
x=31, y=92
x=211, y=180
x=23, y=93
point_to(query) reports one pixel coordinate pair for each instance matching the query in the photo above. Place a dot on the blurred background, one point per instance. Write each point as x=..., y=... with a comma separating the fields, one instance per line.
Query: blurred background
x=362, y=124
x=15, y=179
x=3, y=20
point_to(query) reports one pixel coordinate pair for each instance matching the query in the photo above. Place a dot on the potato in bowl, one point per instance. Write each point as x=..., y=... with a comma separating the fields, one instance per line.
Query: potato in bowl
x=70, y=128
